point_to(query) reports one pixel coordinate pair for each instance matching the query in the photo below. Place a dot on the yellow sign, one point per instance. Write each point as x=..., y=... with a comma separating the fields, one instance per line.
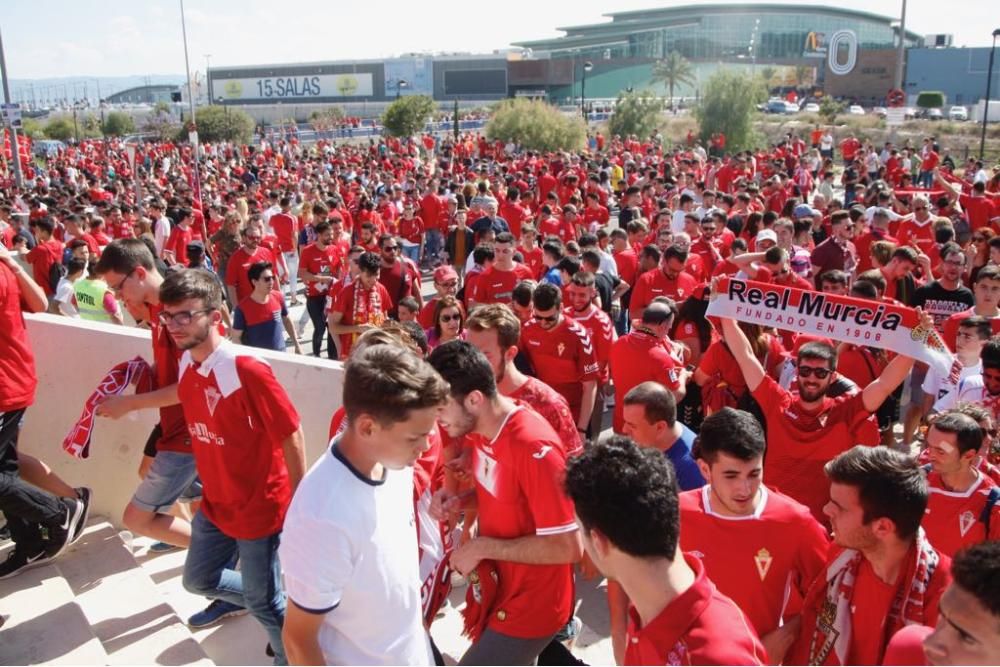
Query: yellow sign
x=346, y=84
x=234, y=89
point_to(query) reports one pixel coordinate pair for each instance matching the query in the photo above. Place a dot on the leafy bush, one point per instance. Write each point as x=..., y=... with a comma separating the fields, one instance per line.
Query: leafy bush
x=407, y=115
x=327, y=118
x=536, y=125
x=161, y=124
x=220, y=123
x=60, y=128
x=829, y=108
x=117, y=124
x=635, y=113
x=728, y=105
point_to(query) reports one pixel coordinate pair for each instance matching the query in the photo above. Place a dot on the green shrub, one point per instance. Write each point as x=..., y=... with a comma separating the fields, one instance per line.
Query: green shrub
x=407, y=115
x=635, y=113
x=536, y=125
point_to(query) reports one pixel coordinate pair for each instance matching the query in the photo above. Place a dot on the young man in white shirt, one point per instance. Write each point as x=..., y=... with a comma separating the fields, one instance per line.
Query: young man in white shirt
x=349, y=546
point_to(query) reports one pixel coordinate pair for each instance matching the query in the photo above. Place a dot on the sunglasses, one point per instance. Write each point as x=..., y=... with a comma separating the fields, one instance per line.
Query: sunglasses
x=547, y=318
x=390, y=248
x=268, y=279
x=451, y=318
x=809, y=371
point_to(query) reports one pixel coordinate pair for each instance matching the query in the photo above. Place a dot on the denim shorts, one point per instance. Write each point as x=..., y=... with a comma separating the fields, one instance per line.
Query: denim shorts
x=172, y=477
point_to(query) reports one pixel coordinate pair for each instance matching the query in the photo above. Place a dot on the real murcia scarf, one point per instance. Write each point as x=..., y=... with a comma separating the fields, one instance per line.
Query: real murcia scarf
x=135, y=372
x=367, y=307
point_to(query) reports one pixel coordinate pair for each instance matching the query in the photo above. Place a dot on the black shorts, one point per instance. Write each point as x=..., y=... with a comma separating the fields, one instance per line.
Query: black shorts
x=154, y=437
x=888, y=413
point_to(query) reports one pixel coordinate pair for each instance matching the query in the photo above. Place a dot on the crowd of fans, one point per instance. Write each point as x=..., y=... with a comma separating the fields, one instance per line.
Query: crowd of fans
x=469, y=449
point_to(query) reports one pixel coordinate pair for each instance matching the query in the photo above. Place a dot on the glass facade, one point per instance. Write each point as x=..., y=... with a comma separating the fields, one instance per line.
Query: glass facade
x=733, y=36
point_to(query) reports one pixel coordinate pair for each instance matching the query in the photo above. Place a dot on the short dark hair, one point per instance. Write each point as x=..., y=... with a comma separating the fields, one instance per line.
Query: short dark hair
x=651, y=252
x=732, y=432
x=465, y=368
x=890, y=485
x=321, y=227
x=835, y=276
x=387, y=382
x=988, y=272
x=990, y=354
x=591, y=260
x=505, y=237
x=976, y=570
x=409, y=303
x=968, y=434
x=483, y=253
x=675, y=252
x=257, y=268
x=629, y=494
x=819, y=350
x=569, y=264
x=864, y=289
x=546, y=297
x=369, y=262
x=553, y=249
x=523, y=292
x=191, y=284
x=658, y=402
x=124, y=256
x=76, y=265
x=982, y=326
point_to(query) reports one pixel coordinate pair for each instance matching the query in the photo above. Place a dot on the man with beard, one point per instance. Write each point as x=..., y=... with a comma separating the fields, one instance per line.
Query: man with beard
x=250, y=451
x=581, y=294
x=496, y=331
x=528, y=539
x=807, y=428
x=238, y=285
x=885, y=574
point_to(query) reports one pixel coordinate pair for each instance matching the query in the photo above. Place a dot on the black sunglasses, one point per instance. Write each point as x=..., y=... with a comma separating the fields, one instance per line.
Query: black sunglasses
x=820, y=373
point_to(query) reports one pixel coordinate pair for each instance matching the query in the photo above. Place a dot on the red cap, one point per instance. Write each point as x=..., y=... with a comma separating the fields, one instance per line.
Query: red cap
x=444, y=273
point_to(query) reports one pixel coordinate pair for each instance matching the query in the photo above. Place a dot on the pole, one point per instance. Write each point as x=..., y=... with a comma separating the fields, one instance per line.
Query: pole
x=986, y=105
x=454, y=119
x=901, y=51
x=194, y=127
x=583, y=91
x=15, y=149
x=208, y=82
x=76, y=128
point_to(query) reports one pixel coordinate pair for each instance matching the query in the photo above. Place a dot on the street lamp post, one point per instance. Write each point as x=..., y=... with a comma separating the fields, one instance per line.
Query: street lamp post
x=986, y=106
x=15, y=147
x=400, y=84
x=587, y=66
x=194, y=127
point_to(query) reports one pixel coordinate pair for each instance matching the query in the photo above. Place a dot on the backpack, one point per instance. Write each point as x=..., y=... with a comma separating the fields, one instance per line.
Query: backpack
x=56, y=273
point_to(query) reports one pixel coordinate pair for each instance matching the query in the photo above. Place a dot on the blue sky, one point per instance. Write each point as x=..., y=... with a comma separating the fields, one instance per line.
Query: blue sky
x=50, y=38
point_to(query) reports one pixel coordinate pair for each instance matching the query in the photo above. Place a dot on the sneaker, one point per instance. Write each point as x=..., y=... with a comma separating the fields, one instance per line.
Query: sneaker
x=215, y=612
x=570, y=632
x=69, y=531
x=18, y=561
x=84, y=494
x=162, y=548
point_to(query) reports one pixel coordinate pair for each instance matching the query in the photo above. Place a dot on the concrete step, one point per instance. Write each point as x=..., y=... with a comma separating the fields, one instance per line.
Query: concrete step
x=123, y=605
x=44, y=624
x=234, y=641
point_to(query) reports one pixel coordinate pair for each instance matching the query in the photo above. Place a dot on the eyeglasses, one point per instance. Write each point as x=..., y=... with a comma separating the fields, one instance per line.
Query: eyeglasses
x=268, y=279
x=809, y=371
x=390, y=248
x=118, y=288
x=182, y=318
x=451, y=318
x=546, y=318
x=449, y=285
x=954, y=262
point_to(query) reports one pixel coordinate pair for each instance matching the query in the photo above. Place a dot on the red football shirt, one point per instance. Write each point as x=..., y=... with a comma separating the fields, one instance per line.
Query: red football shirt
x=655, y=283
x=550, y=404
x=701, y=626
x=756, y=560
x=17, y=361
x=343, y=303
x=325, y=262
x=177, y=243
x=627, y=262
x=41, y=258
x=602, y=334
x=238, y=266
x=563, y=358
x=166, y=360
x=636, y=358
x=800, y=443
x=533, y=260
x=952, y=519
x=519, y=493
x=238, y=415
x=496, y=286
x=286, y=229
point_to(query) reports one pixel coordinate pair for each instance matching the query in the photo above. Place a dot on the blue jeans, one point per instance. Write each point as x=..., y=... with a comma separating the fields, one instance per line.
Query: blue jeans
x=433, y=244
x=412, y=252
x=257, y=586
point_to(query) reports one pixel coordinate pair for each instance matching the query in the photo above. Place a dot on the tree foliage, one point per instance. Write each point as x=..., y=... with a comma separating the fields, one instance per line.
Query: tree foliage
x=117, y=124
x=407, y=116
x=326, y=118
x=60, y=128
x=829, y=108
x=161, y=124
x=674, y=70
x=728, y=105
x=30, y=127
x=220, y=123
x=536, y=125
x=635, y=113
x=930, y=99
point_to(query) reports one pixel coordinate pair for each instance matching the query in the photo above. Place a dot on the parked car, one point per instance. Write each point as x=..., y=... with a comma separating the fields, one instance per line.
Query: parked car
x=880, y=112
x=811, y=107
x=47, y=148
x=781, y=106
x=934, y=114
x=856, y=110
x=958, y=113
x=909, y=113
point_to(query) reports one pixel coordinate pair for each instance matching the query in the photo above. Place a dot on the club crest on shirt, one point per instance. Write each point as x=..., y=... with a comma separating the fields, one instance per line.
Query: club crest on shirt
x=763, y=562
x=212, y=397
x=561, y=347
x=965, y=521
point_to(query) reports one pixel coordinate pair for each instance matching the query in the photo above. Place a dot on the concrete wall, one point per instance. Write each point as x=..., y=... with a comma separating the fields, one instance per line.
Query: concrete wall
x=72, y=357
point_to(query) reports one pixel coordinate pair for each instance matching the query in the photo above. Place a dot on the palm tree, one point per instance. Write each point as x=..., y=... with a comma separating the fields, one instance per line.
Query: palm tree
x=673, y=70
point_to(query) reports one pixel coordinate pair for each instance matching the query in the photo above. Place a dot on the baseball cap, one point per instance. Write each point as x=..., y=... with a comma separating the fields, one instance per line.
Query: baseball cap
x=805, y=211
x=443, y=274
x=767, y=235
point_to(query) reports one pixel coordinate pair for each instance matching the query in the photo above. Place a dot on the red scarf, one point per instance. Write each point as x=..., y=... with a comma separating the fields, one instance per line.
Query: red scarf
x=135, y=372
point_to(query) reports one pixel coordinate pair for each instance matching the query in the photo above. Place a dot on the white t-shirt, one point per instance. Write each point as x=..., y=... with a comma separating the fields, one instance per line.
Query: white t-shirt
x=349, y=552
x=940, y=387
x=161, y=233
x=969, y=390
x=64, y=297
x=677, y=222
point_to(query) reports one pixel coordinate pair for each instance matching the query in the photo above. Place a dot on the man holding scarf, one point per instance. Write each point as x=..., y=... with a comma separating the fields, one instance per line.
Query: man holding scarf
x=886, y=574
